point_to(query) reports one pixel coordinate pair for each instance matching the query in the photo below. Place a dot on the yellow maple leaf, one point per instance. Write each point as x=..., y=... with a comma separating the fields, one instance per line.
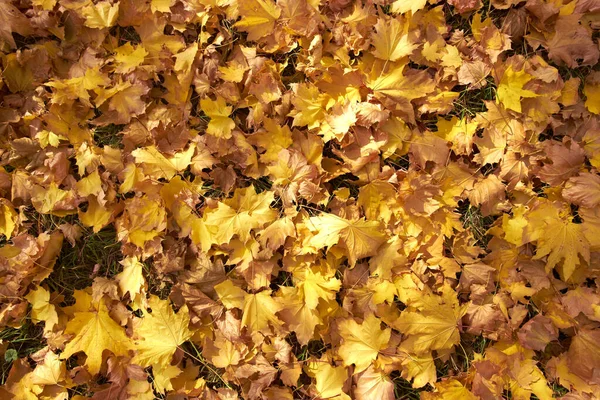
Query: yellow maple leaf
x=559, y=238
x=51, y=372
x=388, y=257
x=163, y=376
x=138, y=390
x=131, y=279
x=404, y=6
x=376, y=199
x=52, y=200
x=329, y=380
x=450, y=389
x=128, y=57
x=90, y=185
x=48, y=138
x=309, y=106
x=41, y=308
x=15, y=75
x=101, y=15
x=45, y=4
x=316, y=286
x=297, y=315
x=458, y=131
x=245, y=211
x=258, y=17
x=360, y=238
x=160, y=333
x=562, y=240
x=161, y=5
x=155, y=164
x=362, y=342
x=95, y=331
x=8, y=218
x=514, y=225
x=273, y=139
x=391, y=39
x=126, y=99
x=67, y=90
x=218, y=111
x=233, y=72
x=259, y=312
x=525, y=377
x=529, y=379
x=45, y=199
x=591, y=144
x=222, y=353
x=399, y=135
x=230, y=295
x=97, y=216
x=510, y=89
x=185, y=60
x=144, y=219
x=420, y=369
x=395, y=85
x=431, y=322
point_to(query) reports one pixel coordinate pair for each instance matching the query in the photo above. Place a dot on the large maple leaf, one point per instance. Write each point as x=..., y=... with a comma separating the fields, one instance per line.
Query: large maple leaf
x=258, y=17
x=563, y=240
x=362, y=342
x=510, y=89
x=559, y=238
x=95, y=331
x=395, y=85
x=329, y=380
x=160, y=333
x=259, y=311
x=391, y=39
x=316, y=286
x=158, y=166
x=218, y=111
x=432, y=322
x=360, y=238
x=245, y=211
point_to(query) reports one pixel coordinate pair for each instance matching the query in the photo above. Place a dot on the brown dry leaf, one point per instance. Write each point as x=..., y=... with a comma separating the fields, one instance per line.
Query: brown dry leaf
x=537, y=333
x=372, y=384
x=583, y=190
x=564, y=161
x=571, y=43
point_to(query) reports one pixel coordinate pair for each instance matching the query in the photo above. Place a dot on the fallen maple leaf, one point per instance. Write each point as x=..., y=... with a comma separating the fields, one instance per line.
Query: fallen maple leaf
x=510, y=89
x=329, y=380
x=42, y=309
x=391, y=39
x=160, y=333
x=560, y=239
x=362, y=342
x=218, y=111
x=94, y=332
x=258, y=17
x=360, y=238
x=431, y=322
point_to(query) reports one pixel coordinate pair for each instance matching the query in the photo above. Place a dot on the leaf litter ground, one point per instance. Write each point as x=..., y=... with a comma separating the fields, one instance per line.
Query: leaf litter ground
x=260, y=199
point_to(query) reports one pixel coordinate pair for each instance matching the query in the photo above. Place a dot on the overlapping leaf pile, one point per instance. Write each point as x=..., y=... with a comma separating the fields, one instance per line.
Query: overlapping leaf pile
x=312, y=199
